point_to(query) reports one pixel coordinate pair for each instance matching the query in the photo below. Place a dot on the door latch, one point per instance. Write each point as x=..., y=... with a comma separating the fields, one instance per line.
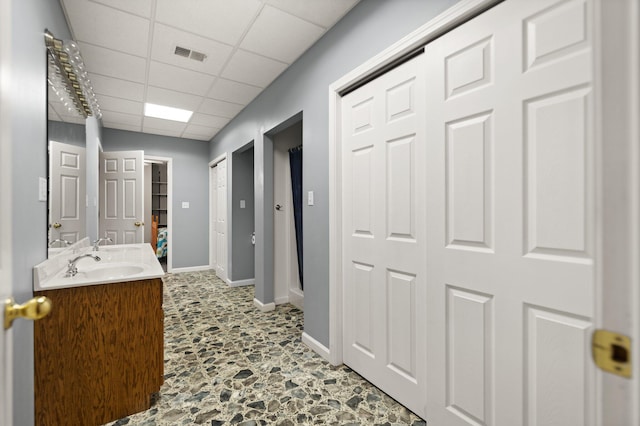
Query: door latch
x=612, y=352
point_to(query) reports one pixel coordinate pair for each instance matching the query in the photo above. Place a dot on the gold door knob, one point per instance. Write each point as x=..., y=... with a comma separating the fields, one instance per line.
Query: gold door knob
x=57, y=225
x=139, y=223
x=34, y=309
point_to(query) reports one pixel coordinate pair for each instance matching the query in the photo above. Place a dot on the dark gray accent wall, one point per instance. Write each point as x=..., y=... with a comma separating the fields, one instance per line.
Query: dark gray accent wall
x=73, y=134
x=190, y=230
x=242, y=223
x=369, y=28
x=27, y=94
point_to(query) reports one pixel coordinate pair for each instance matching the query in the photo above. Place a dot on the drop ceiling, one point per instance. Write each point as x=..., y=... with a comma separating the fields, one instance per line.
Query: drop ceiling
x=129, y=50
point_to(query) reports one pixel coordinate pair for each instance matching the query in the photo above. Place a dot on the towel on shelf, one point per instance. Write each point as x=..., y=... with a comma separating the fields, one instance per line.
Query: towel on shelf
x=161, y=250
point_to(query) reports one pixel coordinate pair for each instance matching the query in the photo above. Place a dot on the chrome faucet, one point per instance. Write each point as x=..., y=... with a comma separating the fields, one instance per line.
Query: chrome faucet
x=59, y=240
x=97, y=242
x=71, y=267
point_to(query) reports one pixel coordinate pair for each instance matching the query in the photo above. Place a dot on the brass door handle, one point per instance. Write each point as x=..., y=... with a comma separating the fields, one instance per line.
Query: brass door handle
x=34, y=309
x=57, y=225
x=139, y=223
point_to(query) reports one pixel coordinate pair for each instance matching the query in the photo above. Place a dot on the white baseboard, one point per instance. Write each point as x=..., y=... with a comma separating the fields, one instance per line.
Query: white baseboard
x=281, y=300
x=316, y=346
x=191, y=269
x=296, y=298
x=240, y=283
x=264, y=307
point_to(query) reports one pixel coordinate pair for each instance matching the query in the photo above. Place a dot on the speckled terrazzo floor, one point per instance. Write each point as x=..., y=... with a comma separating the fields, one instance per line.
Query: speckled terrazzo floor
x=227, y=363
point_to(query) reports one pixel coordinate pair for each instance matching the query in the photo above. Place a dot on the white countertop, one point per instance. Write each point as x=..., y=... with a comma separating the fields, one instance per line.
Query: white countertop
x=118, y=263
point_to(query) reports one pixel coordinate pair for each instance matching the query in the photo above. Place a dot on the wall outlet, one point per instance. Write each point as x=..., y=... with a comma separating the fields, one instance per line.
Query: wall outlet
x=185, y=204
x=310, y=198
x=243, y=204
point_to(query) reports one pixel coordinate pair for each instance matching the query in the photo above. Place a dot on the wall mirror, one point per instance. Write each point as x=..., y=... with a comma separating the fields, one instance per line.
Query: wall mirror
x=71, y=104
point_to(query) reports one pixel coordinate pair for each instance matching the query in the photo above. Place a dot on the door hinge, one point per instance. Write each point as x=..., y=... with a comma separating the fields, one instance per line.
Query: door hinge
x=612, y=352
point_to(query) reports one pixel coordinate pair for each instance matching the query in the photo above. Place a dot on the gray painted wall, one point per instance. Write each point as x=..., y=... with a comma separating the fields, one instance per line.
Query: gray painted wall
x=369, y=28
x=190, y=231
x=27, y=93
x=243, y=223
x=73, y=134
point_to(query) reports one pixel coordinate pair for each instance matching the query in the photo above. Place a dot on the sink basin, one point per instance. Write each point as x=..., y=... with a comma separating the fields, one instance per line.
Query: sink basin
x=108, y=272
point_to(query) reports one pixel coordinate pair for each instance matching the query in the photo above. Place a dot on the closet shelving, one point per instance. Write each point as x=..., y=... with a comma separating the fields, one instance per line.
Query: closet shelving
x=159, y=193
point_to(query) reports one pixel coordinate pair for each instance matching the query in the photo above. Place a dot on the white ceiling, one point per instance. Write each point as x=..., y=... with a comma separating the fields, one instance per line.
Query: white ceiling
x=128, y=49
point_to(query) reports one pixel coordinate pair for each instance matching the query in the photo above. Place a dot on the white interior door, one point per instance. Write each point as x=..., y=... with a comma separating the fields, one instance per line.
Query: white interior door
x=221, y=225
x=384, y=275
x=67, y=193
x=511, y=218
x=121, y=196
x=213, y=225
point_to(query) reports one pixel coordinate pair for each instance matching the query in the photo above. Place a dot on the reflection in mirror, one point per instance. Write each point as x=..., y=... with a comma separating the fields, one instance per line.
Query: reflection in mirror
x=71, y=101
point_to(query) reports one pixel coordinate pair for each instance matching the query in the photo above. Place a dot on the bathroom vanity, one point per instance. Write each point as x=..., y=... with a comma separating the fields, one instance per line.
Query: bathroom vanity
x=99, y=354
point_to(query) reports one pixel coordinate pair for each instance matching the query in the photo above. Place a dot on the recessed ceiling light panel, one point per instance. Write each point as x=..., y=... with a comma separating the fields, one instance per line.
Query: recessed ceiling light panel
x=167, y=113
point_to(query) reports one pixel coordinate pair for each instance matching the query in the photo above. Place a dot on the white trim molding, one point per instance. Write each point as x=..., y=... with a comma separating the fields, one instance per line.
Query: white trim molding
x=241, y=283
x=264, y=307
x=191, y=269
x=446, y=21
x=317, y=347
x=169, y=162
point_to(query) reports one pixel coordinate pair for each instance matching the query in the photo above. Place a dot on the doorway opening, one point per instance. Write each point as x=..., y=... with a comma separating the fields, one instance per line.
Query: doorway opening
x=241, y=222
x=157, y=208
x=287, y=217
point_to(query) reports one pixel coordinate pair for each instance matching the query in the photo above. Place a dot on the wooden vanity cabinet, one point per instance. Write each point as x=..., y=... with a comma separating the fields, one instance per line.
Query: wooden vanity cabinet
x=99, y=354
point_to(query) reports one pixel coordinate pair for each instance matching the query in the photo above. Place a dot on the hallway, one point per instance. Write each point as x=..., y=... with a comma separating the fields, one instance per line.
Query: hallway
x=227, y=363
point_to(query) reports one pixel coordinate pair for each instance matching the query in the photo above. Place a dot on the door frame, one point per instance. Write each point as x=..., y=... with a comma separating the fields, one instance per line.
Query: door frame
x=212, y=204
x=6, y=229
x=169, y=162
x=618, y=171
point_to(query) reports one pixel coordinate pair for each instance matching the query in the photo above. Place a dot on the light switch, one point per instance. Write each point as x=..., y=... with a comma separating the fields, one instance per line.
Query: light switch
x=310, y=198
x=42, y=189
x=242, y=204
x=185, y=204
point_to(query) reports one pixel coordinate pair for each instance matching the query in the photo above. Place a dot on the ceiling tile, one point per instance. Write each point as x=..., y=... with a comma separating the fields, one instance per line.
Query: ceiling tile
x=113, y=64
x=247, y=67
x=116, y=87
x=120, y=126
x=227, y=90
x=322, y=12
x=205, y=138
x=179, y=79
x=221, y=20
x=108, y=103
x=52, y=114
x=165, y=40
x=221, y=108
x=280, y=35
x=76, y=119
x=208, y=120
x=118, y=117
x=104, y=26
x=200, y=130
x=156, y=95
x=163, y=132
x=137, y=7
x=160, y=124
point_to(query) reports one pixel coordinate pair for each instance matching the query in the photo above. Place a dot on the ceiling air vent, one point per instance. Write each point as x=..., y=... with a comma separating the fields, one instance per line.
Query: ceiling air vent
x=181, y=51
x=191, y=54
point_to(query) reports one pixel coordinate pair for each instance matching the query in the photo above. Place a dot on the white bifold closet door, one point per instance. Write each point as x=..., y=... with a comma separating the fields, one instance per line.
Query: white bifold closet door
x=383, y=198
x=221, y=217
x=469, y=222
x=511, y=218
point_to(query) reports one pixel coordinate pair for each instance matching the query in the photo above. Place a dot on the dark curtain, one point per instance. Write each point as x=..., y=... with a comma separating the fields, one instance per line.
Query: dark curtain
x=295, y=162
